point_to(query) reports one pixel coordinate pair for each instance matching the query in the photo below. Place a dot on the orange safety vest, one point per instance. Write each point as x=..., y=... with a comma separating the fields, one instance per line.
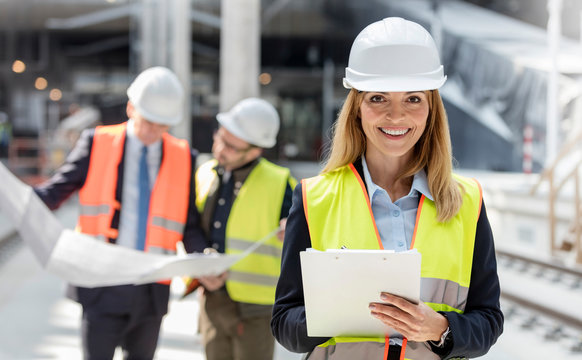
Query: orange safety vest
x=168, y=201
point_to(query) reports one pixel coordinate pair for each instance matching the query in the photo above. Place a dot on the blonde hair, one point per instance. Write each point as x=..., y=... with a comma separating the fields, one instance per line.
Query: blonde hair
x=432, y=152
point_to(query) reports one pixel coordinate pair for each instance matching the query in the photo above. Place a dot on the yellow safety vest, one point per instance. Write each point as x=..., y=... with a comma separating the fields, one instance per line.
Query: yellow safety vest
x=338, y=212
x=255, y=213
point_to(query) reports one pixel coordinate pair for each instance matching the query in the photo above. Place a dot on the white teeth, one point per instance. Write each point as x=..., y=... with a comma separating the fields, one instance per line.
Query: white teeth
x=394, y=132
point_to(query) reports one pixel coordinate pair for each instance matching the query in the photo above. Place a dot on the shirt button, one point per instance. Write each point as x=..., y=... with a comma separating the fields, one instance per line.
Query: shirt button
x=238, y=184
x=395, y=213
x=217, y=224
x=400, y=243
x=221, y=202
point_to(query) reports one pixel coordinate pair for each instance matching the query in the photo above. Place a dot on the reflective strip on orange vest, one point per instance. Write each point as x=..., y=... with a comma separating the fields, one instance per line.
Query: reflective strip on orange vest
x=371, y=350
x=97, y=196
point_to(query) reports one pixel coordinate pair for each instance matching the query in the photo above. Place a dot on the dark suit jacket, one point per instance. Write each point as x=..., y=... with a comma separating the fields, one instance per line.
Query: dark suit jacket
x=69, y=178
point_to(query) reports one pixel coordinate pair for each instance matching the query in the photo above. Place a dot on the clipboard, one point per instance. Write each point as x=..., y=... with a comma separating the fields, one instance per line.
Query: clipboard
x=339, y=285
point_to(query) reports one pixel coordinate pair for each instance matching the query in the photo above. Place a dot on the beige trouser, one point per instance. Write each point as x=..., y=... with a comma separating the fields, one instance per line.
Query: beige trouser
x=227, y=336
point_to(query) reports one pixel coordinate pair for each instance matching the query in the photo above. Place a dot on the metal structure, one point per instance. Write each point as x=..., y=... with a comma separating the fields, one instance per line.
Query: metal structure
x=564, y=170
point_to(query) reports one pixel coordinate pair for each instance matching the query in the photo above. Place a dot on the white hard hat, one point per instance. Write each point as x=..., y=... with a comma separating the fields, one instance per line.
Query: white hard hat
x=253, y=120
x=157, y=95
x=394, y=54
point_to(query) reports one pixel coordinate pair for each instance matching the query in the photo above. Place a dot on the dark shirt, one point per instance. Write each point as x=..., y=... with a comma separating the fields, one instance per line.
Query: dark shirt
x=215, y=216
x=474, y=332
x=220, y=201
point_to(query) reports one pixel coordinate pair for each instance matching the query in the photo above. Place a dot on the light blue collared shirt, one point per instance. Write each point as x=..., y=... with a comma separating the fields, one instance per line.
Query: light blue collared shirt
x=396, y=220
x=128, y=217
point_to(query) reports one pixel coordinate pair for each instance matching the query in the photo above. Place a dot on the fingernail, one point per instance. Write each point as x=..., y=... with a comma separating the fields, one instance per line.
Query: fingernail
x=372, y=307
x=383, y=297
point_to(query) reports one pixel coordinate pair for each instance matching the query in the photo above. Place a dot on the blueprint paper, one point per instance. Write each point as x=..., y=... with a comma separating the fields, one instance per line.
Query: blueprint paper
x=195, y=265
x=38, y=227
x=86, y=261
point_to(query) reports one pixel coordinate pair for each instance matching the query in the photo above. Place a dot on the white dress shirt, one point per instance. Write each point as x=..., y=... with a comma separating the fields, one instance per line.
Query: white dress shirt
x=396, y=220
x=130, y=192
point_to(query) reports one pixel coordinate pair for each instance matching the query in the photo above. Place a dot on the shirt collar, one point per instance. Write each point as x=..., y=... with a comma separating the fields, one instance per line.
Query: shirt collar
x=246, y=168
x=419, y=182
x=135, y=141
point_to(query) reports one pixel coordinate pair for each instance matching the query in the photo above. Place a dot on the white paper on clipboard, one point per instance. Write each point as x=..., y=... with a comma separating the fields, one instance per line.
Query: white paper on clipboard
x=339, y=285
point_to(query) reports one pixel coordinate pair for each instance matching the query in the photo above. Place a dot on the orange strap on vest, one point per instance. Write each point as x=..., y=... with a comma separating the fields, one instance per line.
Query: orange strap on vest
x=97, y=196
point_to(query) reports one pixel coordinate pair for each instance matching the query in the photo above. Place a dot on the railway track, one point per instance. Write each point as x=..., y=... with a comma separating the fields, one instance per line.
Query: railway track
x=543, y=297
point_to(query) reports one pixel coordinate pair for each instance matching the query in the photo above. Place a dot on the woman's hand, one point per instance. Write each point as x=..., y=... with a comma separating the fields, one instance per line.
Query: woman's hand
x=416, y=322
x=281, y=233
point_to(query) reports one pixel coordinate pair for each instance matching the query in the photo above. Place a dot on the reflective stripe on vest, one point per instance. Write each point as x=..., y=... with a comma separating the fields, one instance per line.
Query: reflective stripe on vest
x=170, y=193
x=445, y=278
x=97, y=196
x=255, y=213
x=370, y=349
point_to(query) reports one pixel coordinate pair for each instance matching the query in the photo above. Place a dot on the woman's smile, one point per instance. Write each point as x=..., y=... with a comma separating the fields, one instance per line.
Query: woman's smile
x=394, y=132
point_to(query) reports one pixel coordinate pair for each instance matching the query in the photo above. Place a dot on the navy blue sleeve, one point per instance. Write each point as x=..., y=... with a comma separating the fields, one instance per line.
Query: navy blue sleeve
x=287, y=201
x=71, y=176
x=194, y=239
x=288, y=322
x=475, y=331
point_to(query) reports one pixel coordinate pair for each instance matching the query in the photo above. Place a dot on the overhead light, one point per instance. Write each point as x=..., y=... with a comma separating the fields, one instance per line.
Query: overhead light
x=18, y=66
x=40, y=83
x=265, y=78
x=55, y=95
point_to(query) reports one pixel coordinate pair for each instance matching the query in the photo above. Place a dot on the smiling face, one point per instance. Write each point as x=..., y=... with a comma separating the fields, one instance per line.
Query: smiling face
x=393, y=122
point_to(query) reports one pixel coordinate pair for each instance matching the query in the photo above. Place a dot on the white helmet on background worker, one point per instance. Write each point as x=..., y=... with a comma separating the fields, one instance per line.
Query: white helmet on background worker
x=394, y=54
x=253, y=120
x=157, y=95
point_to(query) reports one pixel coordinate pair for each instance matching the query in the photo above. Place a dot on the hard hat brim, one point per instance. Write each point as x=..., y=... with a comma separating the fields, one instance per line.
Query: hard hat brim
x=162, y=120
x=394, y=84
x=228, y=122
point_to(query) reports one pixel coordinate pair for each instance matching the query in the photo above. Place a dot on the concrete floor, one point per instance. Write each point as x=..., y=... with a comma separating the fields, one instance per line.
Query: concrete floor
x=38, y=322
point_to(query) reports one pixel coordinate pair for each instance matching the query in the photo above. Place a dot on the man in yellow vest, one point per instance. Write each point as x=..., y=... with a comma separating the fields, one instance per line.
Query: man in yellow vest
x=242, y=199
x=136, y=189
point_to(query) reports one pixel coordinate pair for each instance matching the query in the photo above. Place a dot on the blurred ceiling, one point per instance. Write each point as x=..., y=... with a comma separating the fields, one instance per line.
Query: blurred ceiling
x=300, y=17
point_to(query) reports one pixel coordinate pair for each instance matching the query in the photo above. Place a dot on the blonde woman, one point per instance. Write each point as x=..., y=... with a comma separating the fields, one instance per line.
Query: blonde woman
x=388, y=184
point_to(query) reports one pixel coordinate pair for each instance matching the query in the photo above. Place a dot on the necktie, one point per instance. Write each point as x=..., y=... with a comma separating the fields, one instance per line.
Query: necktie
x=144, y=199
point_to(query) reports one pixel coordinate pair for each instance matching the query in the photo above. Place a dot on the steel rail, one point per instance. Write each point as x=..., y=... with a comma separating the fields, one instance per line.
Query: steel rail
x=554, y=265
x=564, y=318
x=553, y=312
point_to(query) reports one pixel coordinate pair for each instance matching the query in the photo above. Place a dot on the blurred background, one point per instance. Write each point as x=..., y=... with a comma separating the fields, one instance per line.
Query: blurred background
x=513, y=97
